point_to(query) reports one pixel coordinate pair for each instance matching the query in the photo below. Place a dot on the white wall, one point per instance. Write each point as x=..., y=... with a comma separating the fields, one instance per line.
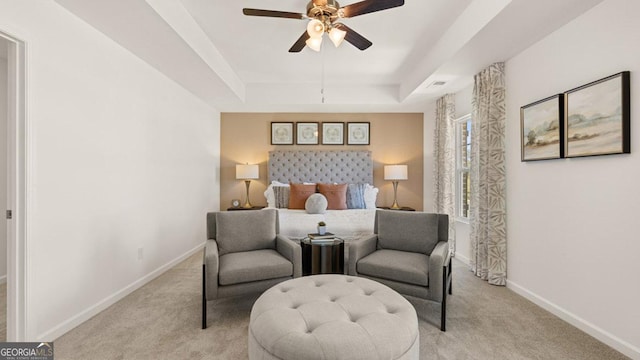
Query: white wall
x=121, y=157
x=573, y=243
x=3, y=162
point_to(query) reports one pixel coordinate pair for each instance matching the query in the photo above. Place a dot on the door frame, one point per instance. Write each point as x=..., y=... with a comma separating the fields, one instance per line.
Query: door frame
x=17, y=185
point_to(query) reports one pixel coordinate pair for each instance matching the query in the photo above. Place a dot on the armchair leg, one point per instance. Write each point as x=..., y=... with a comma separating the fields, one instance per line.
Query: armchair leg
x=447, y=277
x=204, y=297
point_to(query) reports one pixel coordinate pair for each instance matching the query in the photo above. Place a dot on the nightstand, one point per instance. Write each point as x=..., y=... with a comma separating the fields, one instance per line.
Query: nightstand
x=242, y=208
x=403, y=208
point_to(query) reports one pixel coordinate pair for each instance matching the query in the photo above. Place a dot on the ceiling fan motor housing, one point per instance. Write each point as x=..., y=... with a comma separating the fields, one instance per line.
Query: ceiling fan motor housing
x=326, y=11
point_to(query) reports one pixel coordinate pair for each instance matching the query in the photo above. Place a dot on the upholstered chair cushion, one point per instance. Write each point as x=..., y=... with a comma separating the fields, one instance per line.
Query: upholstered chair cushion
x=405, y=231
x=236, y=268
x=316, y=204
x=299, y=193
x=234, y=235
x=336, y=195
x=396, y=265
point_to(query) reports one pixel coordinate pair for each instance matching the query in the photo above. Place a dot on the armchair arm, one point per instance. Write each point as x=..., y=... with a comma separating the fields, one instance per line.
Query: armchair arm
x=292, y=251
x=437, y=260
x=359, y=249
x=211, y=261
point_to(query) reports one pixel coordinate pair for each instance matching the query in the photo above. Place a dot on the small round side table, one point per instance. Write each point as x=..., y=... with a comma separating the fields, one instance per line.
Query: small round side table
x=325, y=256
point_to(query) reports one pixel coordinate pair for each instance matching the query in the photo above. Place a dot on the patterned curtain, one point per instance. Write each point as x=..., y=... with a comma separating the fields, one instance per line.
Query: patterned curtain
x=444, y=154
x=487, y=174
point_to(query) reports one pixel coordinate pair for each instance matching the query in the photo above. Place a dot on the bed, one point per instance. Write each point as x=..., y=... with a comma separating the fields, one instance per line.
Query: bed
x=330, y=167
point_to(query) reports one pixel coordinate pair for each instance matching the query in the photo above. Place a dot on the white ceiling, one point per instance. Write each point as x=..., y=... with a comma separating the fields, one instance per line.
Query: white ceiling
x=241, y=63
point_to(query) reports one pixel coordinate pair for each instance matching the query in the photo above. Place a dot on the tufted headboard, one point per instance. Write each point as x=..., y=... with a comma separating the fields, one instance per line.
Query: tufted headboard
x=339, y=166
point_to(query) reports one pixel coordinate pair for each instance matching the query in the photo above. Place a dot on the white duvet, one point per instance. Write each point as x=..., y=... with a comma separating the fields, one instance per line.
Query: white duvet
x=346, y=224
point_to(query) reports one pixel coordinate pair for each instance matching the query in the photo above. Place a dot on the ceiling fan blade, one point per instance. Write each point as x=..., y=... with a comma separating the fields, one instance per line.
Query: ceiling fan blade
x=273, y=13
x=369, y=6
x=300, y=43
x=353, y=37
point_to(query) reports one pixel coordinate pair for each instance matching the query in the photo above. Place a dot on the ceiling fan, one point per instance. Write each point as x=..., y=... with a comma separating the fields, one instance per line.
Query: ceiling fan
x=323, y=16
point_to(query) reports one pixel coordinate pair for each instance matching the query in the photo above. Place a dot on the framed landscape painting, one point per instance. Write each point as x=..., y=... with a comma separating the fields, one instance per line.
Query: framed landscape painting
x=598, y=117
x=281, y=133
x=307, y=133
x=542, y=129
x=332, y=133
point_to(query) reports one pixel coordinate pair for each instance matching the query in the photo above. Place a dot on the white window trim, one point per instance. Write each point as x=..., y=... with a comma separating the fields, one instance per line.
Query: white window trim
x=458, y=122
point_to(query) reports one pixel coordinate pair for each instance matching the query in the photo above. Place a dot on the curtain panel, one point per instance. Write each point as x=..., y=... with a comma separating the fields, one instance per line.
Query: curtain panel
x=487, y=175
x=444, y=154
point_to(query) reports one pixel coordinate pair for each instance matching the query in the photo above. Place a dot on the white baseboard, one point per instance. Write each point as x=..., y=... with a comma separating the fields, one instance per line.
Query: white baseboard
x=463, y=259
x=64, y=327
x=591, y=329
x=3, y=279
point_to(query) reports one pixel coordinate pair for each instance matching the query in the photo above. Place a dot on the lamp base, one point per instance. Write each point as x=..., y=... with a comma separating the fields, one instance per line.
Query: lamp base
x=247, y=204
x=395, y=205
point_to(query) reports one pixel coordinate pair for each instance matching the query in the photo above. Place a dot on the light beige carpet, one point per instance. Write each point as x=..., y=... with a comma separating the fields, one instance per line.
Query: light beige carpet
x=162, y=321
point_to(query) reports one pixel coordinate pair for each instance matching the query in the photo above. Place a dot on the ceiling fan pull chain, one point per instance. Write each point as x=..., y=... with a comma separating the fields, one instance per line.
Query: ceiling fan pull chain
x=322, y=75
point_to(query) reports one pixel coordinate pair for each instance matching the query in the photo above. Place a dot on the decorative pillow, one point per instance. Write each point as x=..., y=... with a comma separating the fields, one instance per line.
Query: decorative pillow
x=270, y=196
x=355, y=196
x=316, y=204
x=336, y=195
x=370, y=195
x=281, y=194
x=298, y=195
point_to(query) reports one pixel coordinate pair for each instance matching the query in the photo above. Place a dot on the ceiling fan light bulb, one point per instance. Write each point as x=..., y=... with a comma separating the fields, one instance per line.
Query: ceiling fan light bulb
x=315, y=28
x=337, y=36
x=314, y=43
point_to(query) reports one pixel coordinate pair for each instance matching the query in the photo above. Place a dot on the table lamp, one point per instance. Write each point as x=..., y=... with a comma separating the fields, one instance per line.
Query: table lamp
x=247, y=172
x=395, y=173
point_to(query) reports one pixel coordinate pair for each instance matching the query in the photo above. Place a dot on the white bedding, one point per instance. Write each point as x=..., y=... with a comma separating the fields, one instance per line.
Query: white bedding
x=346, y=224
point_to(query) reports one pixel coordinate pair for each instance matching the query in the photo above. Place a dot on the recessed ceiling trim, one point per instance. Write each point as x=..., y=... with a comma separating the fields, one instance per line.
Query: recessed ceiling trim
x=176, y=16
x=475, y=17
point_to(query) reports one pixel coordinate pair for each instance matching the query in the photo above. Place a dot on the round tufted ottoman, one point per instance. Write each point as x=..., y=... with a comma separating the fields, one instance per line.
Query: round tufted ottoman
x=332, y=317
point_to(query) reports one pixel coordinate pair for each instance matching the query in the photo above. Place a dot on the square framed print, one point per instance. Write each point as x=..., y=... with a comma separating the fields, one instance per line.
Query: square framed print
x=281, y=133
x=542, y=129
x=598, y=117
x=358, y=133
x=307, y=133
x=332, y=133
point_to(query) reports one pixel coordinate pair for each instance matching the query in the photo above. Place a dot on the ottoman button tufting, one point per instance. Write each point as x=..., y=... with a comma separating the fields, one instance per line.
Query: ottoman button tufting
x=322, y=329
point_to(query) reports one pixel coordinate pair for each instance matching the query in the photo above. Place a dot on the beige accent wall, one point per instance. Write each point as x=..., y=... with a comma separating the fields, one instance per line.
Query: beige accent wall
x=396, y=138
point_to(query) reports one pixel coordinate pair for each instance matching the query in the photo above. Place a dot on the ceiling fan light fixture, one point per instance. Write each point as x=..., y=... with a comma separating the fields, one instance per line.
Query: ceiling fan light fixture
x=315, y=28
x=337, y=36
x=314, y=43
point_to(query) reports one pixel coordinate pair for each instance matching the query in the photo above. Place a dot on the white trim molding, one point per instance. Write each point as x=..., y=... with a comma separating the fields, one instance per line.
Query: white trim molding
x=591, y=329
x=18, y=186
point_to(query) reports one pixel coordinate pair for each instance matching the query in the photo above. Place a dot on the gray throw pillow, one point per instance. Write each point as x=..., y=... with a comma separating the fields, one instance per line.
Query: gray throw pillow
x=316, y=204
x=355, y=196
x=281, y=194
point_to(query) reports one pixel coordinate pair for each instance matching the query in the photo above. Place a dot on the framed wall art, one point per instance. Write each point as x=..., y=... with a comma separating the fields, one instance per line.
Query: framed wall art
x=281, y=133
x=358, y=133
x=332, y=133
x=307, y=133
x=542, y=129
x=598, y=117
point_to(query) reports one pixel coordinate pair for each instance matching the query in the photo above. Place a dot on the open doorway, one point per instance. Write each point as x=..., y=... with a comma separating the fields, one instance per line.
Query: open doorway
x=13, y=185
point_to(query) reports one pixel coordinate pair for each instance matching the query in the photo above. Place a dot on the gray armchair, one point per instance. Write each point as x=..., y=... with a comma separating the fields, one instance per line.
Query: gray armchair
x=245, y=254
x=409, y=252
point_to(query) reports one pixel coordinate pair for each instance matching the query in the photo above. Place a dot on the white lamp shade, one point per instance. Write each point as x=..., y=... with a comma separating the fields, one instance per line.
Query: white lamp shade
x=337, y=36
x=315, y=28
x=395, y=172
x=314, y=43
x=246, y=171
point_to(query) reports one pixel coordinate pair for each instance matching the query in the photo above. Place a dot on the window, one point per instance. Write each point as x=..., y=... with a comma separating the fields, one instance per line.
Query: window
x=463, y=161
